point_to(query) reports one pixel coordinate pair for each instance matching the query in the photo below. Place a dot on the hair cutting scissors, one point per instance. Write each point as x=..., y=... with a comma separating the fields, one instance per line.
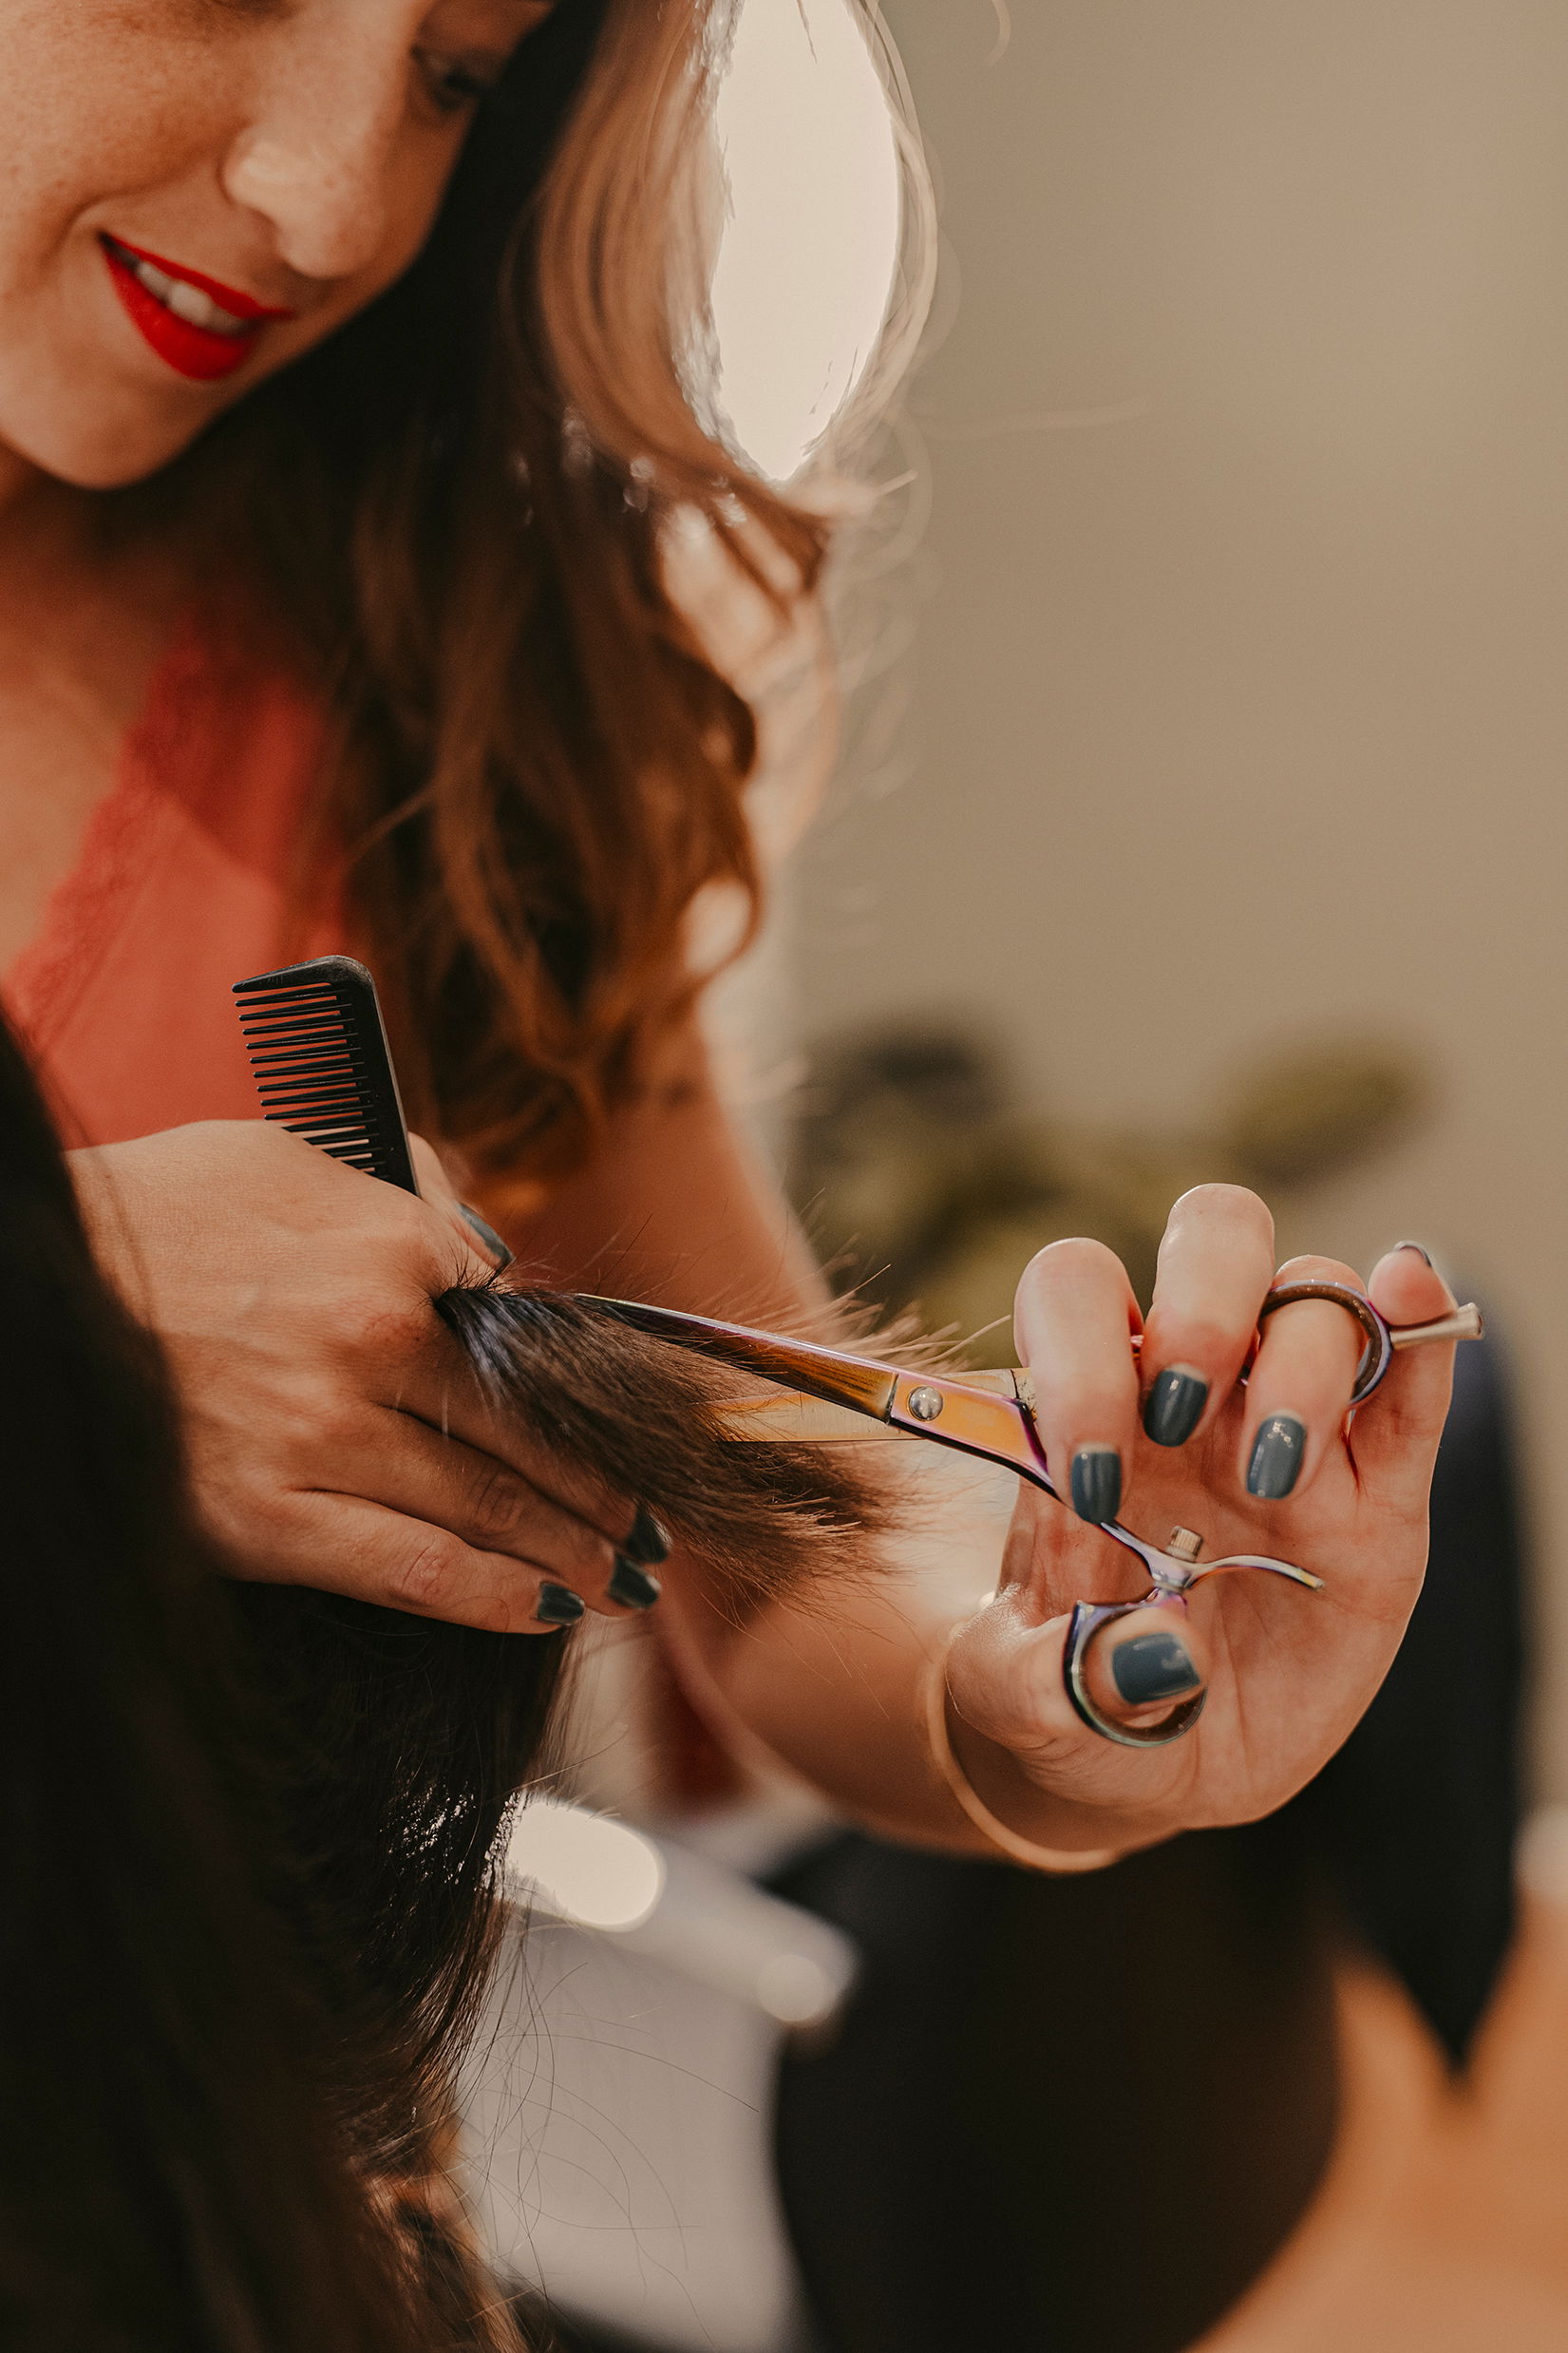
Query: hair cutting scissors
x=991, y=1415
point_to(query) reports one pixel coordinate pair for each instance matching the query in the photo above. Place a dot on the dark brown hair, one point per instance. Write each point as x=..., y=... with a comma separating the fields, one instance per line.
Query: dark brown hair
x=460, y=504
x=187, y=2035
x=250, y=1836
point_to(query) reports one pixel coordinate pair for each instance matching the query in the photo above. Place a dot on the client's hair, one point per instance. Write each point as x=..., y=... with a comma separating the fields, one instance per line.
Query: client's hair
x=249, y=1836
x=409, y=1739
x=173, y=2168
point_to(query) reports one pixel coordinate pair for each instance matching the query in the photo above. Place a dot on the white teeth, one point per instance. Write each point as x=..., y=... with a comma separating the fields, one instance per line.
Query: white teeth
x=152, y=279
x=187, y=302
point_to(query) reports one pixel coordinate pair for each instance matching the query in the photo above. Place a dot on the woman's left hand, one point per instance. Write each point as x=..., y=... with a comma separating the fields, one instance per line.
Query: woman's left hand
x=1273, y=1467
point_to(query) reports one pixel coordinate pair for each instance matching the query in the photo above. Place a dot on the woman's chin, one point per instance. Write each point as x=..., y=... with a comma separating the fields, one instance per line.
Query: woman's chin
x=108, y=449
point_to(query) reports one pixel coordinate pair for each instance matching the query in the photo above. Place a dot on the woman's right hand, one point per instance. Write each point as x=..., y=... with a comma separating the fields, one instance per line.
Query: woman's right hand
x=335, y=1432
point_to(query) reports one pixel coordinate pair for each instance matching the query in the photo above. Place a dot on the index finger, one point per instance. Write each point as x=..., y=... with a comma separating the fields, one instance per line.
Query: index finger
x=1075, y=1315
x=435, y=1187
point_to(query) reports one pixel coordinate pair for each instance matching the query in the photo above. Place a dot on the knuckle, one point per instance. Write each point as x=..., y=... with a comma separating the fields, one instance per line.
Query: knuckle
x=249, y=1523
x=374, y=1322
x=306, y=1429
x=391, y=1227
x=1310, y=1268
x=425, y=1577
x=1195, y=1338
x=414, y=1232
x=497, y=1502
x=330, y=1425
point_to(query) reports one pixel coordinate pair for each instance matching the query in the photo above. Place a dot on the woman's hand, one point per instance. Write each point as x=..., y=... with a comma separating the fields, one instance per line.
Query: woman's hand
x=1272, y=1468
x=336, y=1433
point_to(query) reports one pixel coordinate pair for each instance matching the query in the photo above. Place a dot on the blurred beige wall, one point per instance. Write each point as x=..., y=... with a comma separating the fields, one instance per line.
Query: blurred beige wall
x=1239, y=708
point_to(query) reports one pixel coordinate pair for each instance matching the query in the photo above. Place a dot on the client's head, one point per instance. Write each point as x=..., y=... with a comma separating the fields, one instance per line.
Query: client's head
x=248, y=1836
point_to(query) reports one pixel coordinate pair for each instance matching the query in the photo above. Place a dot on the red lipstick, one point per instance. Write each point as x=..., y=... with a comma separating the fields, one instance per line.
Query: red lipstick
x=200, y=352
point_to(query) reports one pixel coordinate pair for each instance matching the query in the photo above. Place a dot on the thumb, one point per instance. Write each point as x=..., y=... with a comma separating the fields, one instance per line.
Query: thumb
x=1007, y=1678
x=1136, y=1669
x=435, y=1187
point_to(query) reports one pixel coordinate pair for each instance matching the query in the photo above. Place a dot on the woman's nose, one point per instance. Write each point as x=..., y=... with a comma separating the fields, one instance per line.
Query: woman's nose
x=317, y=158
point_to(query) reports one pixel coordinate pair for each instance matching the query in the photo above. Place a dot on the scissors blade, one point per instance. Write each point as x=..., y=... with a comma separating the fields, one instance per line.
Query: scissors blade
x=774, y=1421
x=972, y=1421
x=829, y=1374
x=783, y=1419
x=968, y=1418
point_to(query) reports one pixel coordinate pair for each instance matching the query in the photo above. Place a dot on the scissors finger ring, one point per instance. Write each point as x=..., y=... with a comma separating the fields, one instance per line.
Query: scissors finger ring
x=1172, y=1573
x=1382, y=1336
x=1088, y=1618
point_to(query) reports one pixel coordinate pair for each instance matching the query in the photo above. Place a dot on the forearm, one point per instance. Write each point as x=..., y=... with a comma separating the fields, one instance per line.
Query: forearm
x=831, y=1681
x=835, y=1684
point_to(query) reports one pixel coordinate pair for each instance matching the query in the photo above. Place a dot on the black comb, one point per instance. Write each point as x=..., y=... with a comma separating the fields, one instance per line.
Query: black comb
x=323, y=1066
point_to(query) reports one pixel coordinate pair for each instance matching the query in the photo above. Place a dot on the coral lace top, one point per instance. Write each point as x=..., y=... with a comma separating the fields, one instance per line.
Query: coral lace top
x=181, y=888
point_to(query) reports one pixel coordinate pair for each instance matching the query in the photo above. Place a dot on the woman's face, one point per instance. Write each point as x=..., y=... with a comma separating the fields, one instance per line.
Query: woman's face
x=193, y=192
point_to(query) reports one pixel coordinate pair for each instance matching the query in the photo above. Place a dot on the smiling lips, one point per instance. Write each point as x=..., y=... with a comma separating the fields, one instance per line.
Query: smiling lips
x=199, y=325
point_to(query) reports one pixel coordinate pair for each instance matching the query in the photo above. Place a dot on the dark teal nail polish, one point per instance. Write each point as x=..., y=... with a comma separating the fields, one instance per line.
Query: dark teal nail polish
x=488, y=1235
x=1175, y=1405
x=1155, y=1666
x=1420, y=1250
x=633, y=1587
x=1096, y=1483
x=1278, y=1451
x=649, y=1542
x=557, y=1606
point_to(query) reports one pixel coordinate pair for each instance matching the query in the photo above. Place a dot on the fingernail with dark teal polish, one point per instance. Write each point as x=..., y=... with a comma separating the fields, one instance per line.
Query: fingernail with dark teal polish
x=1175, y=1405
x=1096, y=1483
x=1419, y=1248
x=649, y=1541
x=557, y=1606
x=488, y=1235
x=633, y=1587
x=1278, y=1451
x=1155, y=1666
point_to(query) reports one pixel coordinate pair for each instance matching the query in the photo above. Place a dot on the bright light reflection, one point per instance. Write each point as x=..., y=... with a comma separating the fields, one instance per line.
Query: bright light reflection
x=582, y=1867
x=797, y=1990
x=805, y=268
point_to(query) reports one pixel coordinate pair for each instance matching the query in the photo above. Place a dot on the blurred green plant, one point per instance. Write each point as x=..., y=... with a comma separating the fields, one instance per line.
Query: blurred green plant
x=923, y=1184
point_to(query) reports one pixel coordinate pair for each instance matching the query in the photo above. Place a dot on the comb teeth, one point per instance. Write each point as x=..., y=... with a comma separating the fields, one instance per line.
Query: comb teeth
x=322, y=1068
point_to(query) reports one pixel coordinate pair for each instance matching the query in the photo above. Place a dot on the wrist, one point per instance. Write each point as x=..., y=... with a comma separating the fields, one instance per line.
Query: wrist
x=1013, y=1814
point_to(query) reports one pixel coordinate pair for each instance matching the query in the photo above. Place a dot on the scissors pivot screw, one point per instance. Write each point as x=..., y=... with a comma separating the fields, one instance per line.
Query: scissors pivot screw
x=925, y=1404
x=1184, y=1543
